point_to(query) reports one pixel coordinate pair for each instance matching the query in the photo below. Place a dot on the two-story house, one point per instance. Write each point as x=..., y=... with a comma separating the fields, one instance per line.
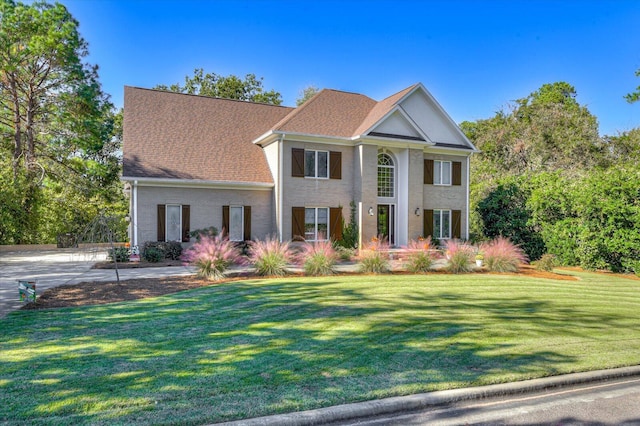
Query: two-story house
x=255, y=170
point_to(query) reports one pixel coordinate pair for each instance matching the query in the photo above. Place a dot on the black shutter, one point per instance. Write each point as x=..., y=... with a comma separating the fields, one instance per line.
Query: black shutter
x=161, y=222
x=186, y=222
x=297, y=162
x=456, y=216
x=456, y=173
x=335, y=165
x=335, y=223
x=428, y=223
x=428, y=172
x=247, y=223
x=297, y=223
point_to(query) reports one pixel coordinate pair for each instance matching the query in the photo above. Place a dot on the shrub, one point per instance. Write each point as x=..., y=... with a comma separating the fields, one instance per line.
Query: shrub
x=168, y=250
x=349, y=238
x=460, y=256
x=119, y=254
x=153, y=255
x=212, y=256
x=374, y=257
x=546, y=263
x=420, y=255
x=318, y=258
x=501, y=255
x=345, y=253
x=198, y=234
x=270, y=257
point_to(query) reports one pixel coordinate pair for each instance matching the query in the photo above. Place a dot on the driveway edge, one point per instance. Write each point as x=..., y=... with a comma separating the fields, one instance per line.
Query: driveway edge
x=422, y=401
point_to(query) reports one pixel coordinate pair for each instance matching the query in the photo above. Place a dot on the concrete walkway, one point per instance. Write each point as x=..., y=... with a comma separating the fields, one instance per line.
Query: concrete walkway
x=59, y=267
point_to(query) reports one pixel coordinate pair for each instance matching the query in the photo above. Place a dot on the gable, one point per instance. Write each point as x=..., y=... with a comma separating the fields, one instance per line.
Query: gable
x=397, y=125
x=432, y=120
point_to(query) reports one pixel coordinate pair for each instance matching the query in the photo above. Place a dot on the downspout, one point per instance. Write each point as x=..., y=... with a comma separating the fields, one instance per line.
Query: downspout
x=134, y=215
x=280, y=184
x=468, y=189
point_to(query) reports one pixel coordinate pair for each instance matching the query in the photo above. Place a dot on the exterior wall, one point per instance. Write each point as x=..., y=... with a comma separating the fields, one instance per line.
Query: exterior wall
x=272, y=154
x=449, y=197
x=366, y=189
x=430, y=119
x=416, y=193
x=311, y=192
x=206, y=208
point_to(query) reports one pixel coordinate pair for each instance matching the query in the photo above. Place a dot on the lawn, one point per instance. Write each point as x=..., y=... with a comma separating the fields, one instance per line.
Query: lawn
x=258, y=347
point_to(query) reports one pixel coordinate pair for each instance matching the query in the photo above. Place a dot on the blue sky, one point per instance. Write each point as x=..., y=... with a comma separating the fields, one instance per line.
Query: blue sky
x=473, y=56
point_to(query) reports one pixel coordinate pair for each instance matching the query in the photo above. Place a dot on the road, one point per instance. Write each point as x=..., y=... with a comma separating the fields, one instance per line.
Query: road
x=615, y=402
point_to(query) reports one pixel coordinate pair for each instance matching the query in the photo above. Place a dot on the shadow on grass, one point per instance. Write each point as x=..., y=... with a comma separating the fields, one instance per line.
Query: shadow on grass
x=253, y=348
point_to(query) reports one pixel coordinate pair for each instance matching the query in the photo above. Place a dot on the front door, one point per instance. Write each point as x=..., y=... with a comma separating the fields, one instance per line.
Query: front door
x=387, y=222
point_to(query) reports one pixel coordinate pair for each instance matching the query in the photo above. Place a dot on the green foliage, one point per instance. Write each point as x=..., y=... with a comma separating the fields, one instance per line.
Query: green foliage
x=58, y=131
x=635, y=95
x=227, y=87
x=546, y=263
x=350, y=231
x=504, y=212
x=198, y=234
x=119, y=254
x=344, y=253
x=168, y=250
x=152, y=254
x=306, y=94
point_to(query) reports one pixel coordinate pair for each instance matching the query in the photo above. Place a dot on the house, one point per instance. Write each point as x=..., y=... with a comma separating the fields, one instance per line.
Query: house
x=191, y=162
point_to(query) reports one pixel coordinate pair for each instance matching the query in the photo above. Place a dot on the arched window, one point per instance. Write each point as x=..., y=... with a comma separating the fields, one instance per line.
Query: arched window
x=386, y=175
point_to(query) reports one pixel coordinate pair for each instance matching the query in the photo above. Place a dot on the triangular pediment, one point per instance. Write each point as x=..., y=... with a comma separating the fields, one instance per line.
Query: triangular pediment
x=398, y=125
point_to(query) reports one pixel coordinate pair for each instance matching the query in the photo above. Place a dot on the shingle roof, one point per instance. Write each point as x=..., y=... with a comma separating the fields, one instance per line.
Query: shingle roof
x=328, y=113
x=172, y=135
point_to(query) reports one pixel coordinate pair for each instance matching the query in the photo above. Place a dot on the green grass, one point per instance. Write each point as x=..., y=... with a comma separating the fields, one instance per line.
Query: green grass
x=252, y=348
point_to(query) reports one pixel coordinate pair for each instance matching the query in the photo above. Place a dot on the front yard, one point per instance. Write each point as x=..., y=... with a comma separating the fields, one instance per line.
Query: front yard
x=256, y=347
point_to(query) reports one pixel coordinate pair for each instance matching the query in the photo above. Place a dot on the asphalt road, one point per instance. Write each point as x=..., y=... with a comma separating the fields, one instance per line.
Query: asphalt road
x=614, y=402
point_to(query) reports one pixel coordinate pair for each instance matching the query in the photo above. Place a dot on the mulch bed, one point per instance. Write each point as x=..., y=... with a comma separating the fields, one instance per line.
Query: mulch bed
x=97, y=293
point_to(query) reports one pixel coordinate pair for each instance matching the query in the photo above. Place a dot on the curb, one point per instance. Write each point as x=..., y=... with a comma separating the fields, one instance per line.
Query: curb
x=352, y=412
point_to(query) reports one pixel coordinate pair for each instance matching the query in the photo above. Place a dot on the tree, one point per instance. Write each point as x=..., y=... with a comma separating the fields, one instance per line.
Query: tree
x=229, y=87
x=56, y=124
x=635, y=95
x=306, y=94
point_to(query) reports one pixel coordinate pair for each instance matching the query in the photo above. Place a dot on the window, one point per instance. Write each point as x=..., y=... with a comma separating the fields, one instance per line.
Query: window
x=316, y=164
x=442, y=172
x=316, y=223
x=442, y=224
x=386, y=175
x=173, y=222
x=236, y=222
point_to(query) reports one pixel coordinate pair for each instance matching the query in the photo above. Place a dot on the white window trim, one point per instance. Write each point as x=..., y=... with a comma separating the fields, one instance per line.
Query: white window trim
x=241, y=224
x=393, y=177
x=439, y=212
x=166, y=222
x=440, y=177
x=315, y=230
x=315, y=157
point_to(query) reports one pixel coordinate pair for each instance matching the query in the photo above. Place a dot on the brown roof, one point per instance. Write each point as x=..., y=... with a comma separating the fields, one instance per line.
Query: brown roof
x=328, y=113
x=381, y=109
x=172, y=135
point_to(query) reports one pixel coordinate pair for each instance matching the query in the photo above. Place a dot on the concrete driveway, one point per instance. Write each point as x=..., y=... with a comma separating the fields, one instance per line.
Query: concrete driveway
x=55, y=268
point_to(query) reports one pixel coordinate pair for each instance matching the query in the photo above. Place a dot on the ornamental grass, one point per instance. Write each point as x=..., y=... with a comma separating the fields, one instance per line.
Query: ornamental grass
x=270, y=257
x=420, y=255
x=212, y=256
x=318, y=258
x=460, y=256
x=501, y=255
x=374, y=257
